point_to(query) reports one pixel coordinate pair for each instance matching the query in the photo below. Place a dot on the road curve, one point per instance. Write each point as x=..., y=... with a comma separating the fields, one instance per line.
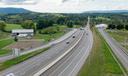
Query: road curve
x=117, y=49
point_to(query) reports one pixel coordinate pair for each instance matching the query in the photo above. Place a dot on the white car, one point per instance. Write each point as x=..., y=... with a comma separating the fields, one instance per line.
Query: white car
x=10, y=74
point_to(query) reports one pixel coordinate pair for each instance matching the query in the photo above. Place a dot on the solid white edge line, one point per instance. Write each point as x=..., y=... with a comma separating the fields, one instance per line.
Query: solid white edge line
x=55, y=61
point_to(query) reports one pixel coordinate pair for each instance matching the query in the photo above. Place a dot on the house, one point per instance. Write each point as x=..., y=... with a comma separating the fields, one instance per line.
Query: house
x=23, y=32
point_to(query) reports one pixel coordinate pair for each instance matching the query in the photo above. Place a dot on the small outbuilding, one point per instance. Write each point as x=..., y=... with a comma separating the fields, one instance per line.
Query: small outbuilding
x=23, y=32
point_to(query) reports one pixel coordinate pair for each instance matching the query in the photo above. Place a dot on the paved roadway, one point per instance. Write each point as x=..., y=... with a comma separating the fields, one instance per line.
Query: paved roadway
x=73, y=61
x=118, y=50
x=4, y=58
x=31, y=66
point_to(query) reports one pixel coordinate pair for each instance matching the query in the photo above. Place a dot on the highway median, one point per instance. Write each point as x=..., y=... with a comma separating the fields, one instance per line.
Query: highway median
x=100, y=62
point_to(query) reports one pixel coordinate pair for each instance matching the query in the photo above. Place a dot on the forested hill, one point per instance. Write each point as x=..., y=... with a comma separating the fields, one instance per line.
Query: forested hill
x=109, y=11
x=13, y=10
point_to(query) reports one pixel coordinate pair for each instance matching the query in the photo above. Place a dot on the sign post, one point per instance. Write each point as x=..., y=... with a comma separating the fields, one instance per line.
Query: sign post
x=16, y=52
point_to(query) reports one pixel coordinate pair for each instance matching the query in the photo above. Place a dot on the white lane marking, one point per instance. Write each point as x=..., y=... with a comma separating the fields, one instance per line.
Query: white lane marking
x=55, y=61
x=81, y=59
x=72, y=62
x=61, y=65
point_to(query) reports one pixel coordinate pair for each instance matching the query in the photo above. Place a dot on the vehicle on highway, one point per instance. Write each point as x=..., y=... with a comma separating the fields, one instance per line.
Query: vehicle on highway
x=73, y=37
x=67, y=42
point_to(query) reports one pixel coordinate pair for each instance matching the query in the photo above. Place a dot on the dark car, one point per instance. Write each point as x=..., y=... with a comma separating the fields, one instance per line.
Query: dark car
x=67, y=42
x=73, y=37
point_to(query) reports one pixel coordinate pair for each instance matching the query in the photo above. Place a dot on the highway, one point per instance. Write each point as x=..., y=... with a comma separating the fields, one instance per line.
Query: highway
x=117, y=49
x=70, y=64
x=66, y=36
x=63, y=59
x=31, y=66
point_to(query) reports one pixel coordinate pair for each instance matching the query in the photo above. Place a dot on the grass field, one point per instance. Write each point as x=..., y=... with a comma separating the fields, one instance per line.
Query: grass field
x=48, y=37
x=10, y=27
x=4, y=35
x=100, y=62
x=14, y=61
x=121, y=36
x=3, y=44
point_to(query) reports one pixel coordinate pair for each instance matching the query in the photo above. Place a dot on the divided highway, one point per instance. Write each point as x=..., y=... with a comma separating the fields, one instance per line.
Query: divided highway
x=33, y=65
x=70, y=64
x=117, y=49
x=63, y=59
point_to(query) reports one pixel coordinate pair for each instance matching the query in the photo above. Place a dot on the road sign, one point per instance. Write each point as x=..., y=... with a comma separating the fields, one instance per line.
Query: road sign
x=16, y=52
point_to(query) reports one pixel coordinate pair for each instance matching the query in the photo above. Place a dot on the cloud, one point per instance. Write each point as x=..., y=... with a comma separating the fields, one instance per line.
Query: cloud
x=70, y=6
x=18, y=2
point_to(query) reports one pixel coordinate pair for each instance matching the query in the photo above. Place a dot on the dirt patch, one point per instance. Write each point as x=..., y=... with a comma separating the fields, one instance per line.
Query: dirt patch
x=25, y=45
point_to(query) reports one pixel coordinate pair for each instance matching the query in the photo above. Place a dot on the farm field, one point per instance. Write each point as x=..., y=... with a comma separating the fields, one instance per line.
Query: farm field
x=10, y=27
x=39, y=39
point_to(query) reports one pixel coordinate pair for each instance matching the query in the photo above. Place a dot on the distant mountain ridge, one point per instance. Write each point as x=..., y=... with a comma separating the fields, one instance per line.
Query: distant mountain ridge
x=13, y=10
x=108, y=11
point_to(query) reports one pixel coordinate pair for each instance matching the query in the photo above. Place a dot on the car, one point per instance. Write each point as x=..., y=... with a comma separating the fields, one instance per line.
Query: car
x=10, y=74
x=81, y=28
x=67, y=42
x=73, y=37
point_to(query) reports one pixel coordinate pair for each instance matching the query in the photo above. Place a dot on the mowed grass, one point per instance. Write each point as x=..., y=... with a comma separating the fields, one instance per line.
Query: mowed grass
x=100, y=62
x=6, y=42
x=10, y=27
x=4, y=35
x=17, y=60
x=4, y=52
x=48, y=37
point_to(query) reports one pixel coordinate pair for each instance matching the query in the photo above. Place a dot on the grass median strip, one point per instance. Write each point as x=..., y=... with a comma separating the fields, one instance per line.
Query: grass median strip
x=20, y=59
x=100, y=62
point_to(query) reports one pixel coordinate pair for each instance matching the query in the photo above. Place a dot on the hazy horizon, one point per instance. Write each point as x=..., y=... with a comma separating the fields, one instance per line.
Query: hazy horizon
x=66, y=6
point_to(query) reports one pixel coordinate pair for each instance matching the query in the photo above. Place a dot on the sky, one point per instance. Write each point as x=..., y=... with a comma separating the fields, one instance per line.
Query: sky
x=66, y=6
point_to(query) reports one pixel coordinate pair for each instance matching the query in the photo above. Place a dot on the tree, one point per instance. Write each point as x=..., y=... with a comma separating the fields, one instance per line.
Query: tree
x=119, y=27
x=111, y=26
x=41, y=24
x=2, y=25
x=29, y=24
x=126, y=27
x=70, y=24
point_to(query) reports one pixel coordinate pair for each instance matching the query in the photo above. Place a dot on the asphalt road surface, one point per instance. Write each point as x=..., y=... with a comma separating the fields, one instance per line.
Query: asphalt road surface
x=4, y=58
x=73, y=61
x=117, y=49
x=33, y=65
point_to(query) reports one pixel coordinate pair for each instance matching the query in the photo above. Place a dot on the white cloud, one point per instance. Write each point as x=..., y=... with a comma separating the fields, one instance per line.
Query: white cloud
x=70, y=6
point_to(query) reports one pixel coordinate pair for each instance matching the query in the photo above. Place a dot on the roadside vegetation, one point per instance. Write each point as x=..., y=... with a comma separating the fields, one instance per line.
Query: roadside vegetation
x=121, y=36
x=4, y=43
x=100, y=62
x=17, y=60
x=10, y=27
x=51, y=33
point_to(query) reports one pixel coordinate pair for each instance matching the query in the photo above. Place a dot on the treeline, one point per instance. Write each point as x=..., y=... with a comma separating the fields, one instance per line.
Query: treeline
x=38, y=21
x=115, y=21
